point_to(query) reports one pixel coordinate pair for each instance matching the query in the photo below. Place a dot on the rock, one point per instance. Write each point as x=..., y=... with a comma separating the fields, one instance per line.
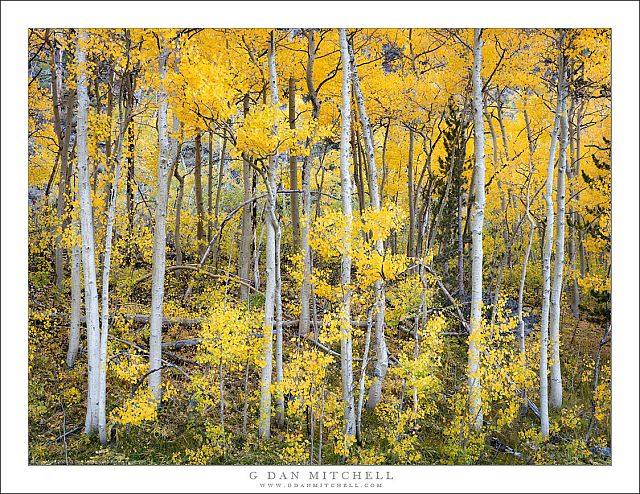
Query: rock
x=35, y=193
x=605, y=452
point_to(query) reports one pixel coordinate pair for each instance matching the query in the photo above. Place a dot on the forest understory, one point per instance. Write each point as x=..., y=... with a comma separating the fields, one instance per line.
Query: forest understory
x=319, y=246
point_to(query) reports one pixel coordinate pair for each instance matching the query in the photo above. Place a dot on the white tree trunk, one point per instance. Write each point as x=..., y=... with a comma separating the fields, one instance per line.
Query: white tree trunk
x=305, y=290
x=76, y=301
x=475, y=400
x=346, y=359
x=106, y=269
x=159, y=237
x=558, y=268
x=381, y=363
x=546, y=260
x=532, y=227
x=278, y=356
x=88, y=243
x=264, y=427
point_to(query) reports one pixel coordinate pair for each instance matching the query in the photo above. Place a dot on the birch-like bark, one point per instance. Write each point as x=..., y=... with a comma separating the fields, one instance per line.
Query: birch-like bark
x=76, y=299
x=532, y=227
x=546, y=256
x=475, y=400
x=130, y=178
x=63, y=154
x=381, y=363
x=555, y=399
x=264, y=426
x=278, y=352
x=363, y=374
x=159, y=236
x=88, y=242
x=346, y=359
x=106, y=269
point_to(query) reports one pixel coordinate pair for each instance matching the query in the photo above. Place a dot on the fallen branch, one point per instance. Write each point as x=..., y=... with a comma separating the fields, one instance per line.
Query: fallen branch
x=61, y=437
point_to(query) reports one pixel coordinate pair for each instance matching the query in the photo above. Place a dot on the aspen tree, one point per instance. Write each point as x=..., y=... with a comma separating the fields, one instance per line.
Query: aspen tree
x=177, y=240
x=124, y=114
x=264, y=428
x=63, y=139
x=76, y=298
x=558, y=267
x=546, y=257
x=293, y=168
x=346, y=359
x=198, y=188
x=411, y=251
x=381, y=363
x=305, y=289
x=247, y=223
x=475, y=403
x=88, y=243
x=160, y=232
x=532, y=227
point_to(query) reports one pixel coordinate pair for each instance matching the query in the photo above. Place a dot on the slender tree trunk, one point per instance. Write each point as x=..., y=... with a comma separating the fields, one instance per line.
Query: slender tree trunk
x=106, y=268
x=492, y=131
x=546, y=257
x=257, y=246
x=383, y=182
x=558, y=268
x=124, y=113
x=108, y=151
x=574, y=235
x=346, y=359
x=532, y=227
x=461, y=293
x=247, y=223
x=412, y=207
x=264, y=427
x=475, y=400
x=381, y=363
x=216, y=208
x=63, y=155
x=357, y=171
x=210, y=189
x=363, y=373
x=278, y=352
x=159, y=236
x=76, y=300
x=176, y=231
x=130, y=178
x=63, y=187
x=198, y=189
x=88, y=243
x=305, y=290
x=293, y=169
x=503, y=132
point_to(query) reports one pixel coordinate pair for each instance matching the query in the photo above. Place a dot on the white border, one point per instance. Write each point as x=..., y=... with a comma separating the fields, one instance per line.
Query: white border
x=17, y=17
